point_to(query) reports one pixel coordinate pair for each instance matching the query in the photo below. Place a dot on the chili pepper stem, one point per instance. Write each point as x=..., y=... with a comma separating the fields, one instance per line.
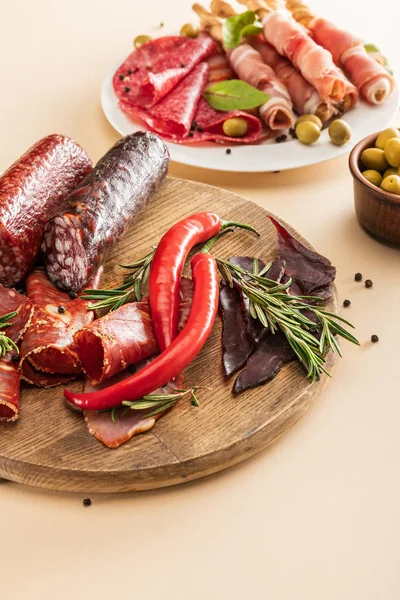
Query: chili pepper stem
x=226, y=224
x=207, y=246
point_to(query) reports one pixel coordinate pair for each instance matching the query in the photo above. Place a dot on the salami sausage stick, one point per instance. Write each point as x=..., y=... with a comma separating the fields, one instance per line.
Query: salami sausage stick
x=98, y=212
x=31, y=192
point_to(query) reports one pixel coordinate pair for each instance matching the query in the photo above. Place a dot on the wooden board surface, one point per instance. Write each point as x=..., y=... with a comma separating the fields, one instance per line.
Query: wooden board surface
x=50, y=446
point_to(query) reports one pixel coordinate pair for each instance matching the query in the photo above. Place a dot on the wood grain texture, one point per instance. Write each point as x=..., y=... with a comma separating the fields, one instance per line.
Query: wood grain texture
x=50, y=446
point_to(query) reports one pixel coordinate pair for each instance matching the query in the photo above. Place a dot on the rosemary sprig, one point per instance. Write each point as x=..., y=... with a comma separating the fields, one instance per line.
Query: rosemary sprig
x=277, y=310
x=130, y=290
x=6, y=344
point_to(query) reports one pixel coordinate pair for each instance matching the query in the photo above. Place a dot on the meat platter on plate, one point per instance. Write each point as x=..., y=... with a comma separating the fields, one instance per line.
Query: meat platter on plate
x=232, y=88
x=60, y=218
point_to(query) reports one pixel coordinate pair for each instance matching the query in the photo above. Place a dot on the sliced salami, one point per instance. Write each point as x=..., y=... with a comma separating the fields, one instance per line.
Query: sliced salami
x=13, y=301
x=32, y=190
x=79, y=239
x=48, y=353
x=9, y=389
x=174, y=114
x=155, y=68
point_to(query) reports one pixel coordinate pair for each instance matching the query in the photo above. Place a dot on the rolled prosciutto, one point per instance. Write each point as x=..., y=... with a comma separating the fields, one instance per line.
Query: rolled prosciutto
x=371, y=79
x=248, y=64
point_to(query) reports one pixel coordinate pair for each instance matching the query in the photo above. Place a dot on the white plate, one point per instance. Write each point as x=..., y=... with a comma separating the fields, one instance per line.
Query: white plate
x=267, y=156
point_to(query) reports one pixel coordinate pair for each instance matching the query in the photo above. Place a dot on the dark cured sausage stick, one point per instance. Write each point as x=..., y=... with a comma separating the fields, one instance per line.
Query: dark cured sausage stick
x=32, y=190
x=100, y=209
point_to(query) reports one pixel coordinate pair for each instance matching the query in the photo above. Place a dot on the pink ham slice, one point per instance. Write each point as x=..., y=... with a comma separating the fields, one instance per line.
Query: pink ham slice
x=248, y=64
x=48, y=353
x=12, y=301
x=219, y=68
x=315, y=63
x=155, y=68
x=174, y=114
x=372, y=80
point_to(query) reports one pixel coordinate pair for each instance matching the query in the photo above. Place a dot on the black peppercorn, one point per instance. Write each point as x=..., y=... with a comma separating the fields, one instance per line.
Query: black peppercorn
x=126, y=89
x=199, y=128
x=15, y=358
x=374, y=339
x=72, y=295
x=182, y=65
x=368, y=283
x=122, y=77
x=346, y=303
x=87, y=502
x=193, y=126
x=283, y=137
x=228, y=151
x=129, y=72
x=190, y=134
x=61, y=309
x=278, y=139
x=358, y=277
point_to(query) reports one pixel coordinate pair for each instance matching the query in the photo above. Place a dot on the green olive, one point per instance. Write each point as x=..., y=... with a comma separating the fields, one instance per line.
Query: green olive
x=189, y=30
x=140, y=40
x=391, y=171
x=339, y=132
x=386, y=135
x=373, y=176
x=392, y=152
x=308, y=132
x=312, y=118
x=374, y=158
x=391, y=184
x=236, y=127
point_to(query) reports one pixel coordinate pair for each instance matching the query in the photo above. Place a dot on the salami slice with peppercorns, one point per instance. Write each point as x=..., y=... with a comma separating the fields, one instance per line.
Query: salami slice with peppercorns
x=98, y=212
x=155, y=68
x=32, y=190
x=12, y=301
x=48, y=353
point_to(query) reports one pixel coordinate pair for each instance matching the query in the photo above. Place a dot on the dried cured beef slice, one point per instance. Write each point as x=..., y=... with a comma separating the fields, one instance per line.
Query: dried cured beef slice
x=9, y=389
x=13, y=301
x=308, y=269
x=265, y=363
x=117, y=340
x=236, y=343
x=48, y=353
x=32, y=190
x=154, y=69
x=79, y=239
x=173, y=115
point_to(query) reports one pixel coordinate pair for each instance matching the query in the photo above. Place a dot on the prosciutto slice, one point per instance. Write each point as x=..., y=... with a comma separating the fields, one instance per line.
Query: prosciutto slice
x=315, y=63
x=155, y=68
x=372, y=80
x=248, y=63
x=219, y=68
x=48, y=353
x=305, y=98
x=12, y=301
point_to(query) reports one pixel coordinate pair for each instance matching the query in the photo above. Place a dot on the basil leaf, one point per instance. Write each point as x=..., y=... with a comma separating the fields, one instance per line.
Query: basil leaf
x=239, y=26
x=234, y=94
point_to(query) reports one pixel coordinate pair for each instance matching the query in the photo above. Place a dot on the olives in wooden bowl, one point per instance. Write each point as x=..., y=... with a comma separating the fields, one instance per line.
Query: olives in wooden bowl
x=376, y=179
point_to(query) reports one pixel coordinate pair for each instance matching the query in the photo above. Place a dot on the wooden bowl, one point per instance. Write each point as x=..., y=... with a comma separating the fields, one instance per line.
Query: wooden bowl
x=378, y=211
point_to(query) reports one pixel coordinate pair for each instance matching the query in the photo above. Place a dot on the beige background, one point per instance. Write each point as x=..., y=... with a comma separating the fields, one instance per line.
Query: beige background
x=315, y=517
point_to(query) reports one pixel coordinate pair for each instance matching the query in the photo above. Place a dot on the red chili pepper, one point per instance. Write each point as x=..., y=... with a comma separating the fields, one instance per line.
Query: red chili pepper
x=167, y=265
x=177, y=356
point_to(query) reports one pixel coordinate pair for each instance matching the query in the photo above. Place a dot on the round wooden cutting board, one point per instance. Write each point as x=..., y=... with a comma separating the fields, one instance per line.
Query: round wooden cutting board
x=50, y=446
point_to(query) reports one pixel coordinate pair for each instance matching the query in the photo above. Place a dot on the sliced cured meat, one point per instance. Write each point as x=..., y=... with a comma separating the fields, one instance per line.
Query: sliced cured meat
x=9, y=389
x=32, y=190
x=79, y=239
x=311, y=271
x=117, y=340
x=248, y=64
x=174, y=114
x=315, y=63
x=264, y=364
x=12, y=301
x=155, y=68
x=236, y=343
x=305, y=98
x=219, y=68
x=127, y=423
x=48, y=353
x=371, y=79
x=123, y=337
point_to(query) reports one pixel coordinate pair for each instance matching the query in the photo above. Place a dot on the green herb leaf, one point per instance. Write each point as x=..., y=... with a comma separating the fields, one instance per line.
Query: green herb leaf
x=234, y=94
x=239, y=26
